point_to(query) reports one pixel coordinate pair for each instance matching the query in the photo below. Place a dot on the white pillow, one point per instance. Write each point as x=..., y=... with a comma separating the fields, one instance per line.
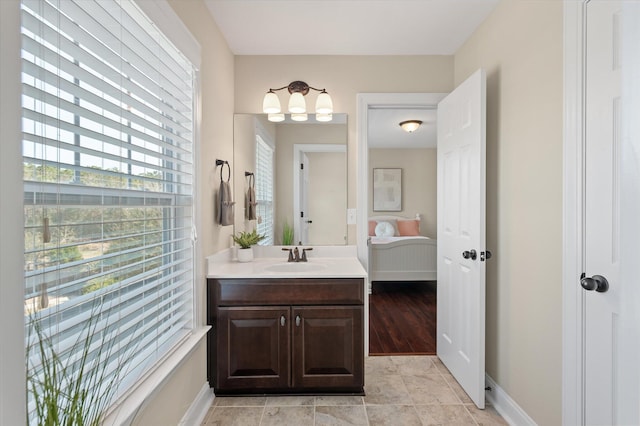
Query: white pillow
x=385, y=229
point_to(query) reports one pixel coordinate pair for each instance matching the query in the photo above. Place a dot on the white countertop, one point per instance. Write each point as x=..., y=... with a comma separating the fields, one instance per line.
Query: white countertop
x=271, y=262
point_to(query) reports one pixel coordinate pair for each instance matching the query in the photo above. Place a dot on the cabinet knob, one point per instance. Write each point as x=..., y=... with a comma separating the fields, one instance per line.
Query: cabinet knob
x=297, y=320
x=282, y=320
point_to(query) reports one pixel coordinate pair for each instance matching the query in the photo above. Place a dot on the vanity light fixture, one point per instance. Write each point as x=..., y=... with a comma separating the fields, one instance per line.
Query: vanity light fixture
x=297, y=104
x=275, y=117
x=410, y=126
x=324, y=117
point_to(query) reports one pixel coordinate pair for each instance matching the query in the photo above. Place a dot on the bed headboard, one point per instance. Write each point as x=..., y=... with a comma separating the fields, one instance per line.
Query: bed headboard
x=394, y=217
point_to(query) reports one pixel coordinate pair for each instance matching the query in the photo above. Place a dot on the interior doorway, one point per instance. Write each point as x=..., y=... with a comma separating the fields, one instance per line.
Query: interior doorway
x=391, y=323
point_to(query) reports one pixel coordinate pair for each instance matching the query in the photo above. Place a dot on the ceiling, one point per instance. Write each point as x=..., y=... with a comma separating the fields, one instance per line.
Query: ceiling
x=384, y=129
x=348, y=27
x=355, y=27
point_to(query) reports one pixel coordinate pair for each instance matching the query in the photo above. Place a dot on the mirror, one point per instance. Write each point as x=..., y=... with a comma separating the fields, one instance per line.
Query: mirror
x=298, y=172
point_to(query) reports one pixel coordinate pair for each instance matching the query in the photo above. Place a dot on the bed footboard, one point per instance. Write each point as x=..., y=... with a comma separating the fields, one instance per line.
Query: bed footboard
x=410, y=260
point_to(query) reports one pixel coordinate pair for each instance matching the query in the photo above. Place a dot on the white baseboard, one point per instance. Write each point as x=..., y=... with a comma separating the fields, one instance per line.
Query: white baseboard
x=199, y=408
x=506, y=406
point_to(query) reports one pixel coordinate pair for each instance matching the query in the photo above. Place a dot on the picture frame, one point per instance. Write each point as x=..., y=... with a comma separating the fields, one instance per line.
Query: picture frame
x=387, y=190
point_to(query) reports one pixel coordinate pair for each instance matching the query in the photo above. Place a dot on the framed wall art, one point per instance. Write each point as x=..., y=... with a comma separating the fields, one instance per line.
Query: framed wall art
x=387, y=190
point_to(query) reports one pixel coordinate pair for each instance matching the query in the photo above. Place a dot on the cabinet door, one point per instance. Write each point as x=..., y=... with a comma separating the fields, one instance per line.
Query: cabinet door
x=253, y=348
x=328, y=348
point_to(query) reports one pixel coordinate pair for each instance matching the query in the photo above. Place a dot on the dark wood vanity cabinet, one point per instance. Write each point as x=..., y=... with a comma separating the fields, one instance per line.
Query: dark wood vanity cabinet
x=286, y=335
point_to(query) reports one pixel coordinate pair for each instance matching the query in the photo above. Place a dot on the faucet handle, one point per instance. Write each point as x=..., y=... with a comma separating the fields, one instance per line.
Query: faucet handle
x=290, y=259
x=304, y=254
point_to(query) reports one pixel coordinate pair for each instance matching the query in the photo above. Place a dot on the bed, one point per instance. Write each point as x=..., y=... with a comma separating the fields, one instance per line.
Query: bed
x=400, y=258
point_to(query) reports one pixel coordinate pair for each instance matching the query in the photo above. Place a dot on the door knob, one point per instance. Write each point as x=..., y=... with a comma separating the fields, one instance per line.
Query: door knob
x=597, y=283
x=485, y=255
x=470, y=254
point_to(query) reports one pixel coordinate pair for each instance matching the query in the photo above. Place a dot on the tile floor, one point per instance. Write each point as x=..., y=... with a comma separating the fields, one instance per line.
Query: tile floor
x=400, y=391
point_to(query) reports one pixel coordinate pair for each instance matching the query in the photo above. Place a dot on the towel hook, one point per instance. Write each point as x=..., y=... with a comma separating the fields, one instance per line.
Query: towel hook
x=251, y=178
x=222, y=163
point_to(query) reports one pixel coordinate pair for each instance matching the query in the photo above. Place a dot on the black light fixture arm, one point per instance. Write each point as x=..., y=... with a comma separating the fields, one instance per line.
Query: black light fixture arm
x=298, y=86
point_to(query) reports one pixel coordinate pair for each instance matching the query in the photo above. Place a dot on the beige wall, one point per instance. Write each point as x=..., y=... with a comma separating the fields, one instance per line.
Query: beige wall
x=520, y=47
x=343, y=77
x=170, y=401
x=419, y=187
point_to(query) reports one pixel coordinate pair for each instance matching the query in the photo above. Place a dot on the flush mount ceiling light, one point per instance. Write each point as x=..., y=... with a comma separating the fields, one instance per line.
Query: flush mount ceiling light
x=297, y=104
x=410, y=126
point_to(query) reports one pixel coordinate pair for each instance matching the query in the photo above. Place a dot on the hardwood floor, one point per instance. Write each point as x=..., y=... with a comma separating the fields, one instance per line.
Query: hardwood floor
x=402, y=318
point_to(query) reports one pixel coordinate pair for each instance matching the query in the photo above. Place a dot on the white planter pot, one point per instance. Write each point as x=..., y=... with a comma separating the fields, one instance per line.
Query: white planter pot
x=245, y=255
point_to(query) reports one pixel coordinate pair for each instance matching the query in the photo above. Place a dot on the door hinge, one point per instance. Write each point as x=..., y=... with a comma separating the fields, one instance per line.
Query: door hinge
x=301, y=166
x=301, y=214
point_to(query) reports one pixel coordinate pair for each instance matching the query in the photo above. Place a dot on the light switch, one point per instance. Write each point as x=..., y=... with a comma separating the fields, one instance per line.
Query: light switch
x=351, y=216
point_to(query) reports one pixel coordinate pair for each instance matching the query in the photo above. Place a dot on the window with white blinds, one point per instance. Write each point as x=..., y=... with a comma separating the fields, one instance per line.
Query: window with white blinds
x=264, y=190
x=107, y=120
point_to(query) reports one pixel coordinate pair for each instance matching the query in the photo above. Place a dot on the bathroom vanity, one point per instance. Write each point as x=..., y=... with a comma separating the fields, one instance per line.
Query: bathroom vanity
x=286, y=328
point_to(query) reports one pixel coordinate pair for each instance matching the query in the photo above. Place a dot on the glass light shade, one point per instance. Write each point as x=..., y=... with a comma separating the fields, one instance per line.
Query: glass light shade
x=410, y=126
x=299, y=117
x=271, y=103
x=324, y=117
x=276, y=118
x=297, y=104
x=324, y=105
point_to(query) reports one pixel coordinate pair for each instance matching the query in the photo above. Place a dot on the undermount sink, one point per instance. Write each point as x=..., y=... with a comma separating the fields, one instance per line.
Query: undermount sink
x=296, y=267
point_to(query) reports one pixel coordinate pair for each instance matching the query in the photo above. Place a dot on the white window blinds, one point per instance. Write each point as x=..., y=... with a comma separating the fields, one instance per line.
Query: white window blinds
x=107, y=119
x=264, y=190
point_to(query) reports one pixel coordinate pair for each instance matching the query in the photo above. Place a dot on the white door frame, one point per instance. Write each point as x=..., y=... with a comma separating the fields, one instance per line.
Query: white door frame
x=573, y=200
x=364, y=102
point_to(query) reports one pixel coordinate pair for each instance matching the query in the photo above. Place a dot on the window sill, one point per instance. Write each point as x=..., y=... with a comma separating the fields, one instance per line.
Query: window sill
x=125, y=409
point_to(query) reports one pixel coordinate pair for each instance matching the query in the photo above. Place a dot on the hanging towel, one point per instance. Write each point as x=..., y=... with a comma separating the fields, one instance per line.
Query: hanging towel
x=225, y=201
x=250, y=200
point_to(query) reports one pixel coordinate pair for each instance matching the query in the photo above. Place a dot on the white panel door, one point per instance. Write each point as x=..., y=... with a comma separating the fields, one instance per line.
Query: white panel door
x=461, y=234
x=612, y=288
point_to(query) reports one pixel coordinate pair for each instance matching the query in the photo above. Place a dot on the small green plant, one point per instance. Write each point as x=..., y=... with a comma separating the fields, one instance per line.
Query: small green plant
x=247, y=239
x=287, y=234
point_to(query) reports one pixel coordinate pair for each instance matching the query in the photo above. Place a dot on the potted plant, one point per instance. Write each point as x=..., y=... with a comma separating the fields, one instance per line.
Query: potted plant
x=245, y=240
